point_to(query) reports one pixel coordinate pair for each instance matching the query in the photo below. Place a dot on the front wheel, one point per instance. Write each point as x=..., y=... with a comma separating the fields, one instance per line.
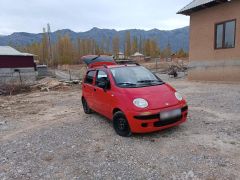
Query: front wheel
x=121, y=125
x=86, y=108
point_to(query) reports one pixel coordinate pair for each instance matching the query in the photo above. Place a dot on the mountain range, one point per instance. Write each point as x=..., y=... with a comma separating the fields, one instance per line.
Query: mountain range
x=177, y=38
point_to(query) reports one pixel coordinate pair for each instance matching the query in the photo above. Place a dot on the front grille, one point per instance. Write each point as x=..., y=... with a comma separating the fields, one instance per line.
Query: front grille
x=147, y=117
x=167, y=122
x=155, y=116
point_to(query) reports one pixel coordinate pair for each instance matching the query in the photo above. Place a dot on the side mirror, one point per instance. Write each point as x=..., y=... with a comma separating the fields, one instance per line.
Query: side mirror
x=102, y=84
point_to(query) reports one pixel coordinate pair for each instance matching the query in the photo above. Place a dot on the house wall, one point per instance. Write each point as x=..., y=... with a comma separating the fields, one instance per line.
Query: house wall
x=16, y=61
x=206, y=63
x=17, y=70
x=10, y=76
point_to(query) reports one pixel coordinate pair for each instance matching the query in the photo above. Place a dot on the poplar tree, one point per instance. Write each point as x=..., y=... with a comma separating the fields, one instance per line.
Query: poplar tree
x=49, y=44
x=167, y=51
x=44, y=47
x=127, y=47
x=154, y=49
x=115, y=45
x=65, y=50
x=151, y=48
x=140, y=45
x=134, y=47
x=181, y=53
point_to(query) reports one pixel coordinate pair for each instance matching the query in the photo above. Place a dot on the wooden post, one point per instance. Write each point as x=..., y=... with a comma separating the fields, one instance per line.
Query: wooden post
x=20, y=77
x=70, y=75
x=156, y=64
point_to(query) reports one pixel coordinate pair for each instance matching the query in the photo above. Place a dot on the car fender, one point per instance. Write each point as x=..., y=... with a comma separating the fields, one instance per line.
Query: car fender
x=121, y=102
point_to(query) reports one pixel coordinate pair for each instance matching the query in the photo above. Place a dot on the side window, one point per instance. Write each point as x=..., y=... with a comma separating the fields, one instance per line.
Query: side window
x=89, y=78
x=101, y=77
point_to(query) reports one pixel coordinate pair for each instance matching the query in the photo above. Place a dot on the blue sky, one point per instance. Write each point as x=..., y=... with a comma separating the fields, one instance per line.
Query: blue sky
x=79, y=15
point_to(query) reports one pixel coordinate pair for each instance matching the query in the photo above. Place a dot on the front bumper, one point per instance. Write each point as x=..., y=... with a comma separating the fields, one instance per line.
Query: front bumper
x=151, y=122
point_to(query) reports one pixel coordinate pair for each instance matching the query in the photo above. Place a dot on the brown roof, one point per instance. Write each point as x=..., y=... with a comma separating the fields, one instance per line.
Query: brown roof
x=197, y=5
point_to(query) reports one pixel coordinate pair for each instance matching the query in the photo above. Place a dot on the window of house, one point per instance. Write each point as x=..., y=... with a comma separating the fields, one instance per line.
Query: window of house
x=89, y=78
x=225, y=34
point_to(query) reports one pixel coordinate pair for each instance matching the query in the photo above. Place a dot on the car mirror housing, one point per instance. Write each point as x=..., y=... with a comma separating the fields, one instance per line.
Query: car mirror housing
x=103, y=84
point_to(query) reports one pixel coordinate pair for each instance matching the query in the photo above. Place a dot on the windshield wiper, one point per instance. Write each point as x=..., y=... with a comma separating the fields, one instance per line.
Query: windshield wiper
x=127, y=84
x=151, y=82
x=148, y=81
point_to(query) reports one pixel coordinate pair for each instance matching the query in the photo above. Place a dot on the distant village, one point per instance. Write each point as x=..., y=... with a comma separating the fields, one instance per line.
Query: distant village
x=68, y=51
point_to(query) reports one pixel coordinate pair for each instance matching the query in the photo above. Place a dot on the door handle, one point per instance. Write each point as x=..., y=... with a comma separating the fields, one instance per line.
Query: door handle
x=94, y=89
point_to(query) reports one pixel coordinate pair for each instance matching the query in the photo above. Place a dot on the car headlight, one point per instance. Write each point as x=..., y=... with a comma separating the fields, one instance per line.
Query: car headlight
x=141, y=103
x=178, y=96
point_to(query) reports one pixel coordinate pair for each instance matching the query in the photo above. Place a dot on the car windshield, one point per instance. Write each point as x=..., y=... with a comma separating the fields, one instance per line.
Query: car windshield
x=134, y=77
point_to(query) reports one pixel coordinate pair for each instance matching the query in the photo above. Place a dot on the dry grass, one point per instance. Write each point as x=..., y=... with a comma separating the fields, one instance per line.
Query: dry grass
x=13, y=89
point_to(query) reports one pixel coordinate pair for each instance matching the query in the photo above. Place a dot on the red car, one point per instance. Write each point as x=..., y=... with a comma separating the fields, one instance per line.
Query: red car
x=135, y=99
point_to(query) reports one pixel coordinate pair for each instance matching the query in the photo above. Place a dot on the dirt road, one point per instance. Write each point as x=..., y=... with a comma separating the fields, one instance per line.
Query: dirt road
x=64, y=75
x=46, y=135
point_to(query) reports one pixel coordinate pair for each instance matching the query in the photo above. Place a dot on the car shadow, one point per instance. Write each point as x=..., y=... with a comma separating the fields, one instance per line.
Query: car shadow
x=166, y=133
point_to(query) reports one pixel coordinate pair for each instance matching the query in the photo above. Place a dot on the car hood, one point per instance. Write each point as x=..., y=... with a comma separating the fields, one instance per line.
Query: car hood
x=161, y=96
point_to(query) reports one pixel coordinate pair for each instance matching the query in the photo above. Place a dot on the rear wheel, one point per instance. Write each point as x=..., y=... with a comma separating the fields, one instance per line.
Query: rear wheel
x=121, y=125
x=86, y=108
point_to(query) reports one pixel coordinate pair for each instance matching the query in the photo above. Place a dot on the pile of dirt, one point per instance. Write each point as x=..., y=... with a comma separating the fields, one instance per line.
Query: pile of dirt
x=45, y=84
x=48, y=83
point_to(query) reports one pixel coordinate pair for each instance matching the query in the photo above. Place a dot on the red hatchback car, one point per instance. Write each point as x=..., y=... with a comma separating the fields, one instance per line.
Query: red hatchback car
x=135, y=99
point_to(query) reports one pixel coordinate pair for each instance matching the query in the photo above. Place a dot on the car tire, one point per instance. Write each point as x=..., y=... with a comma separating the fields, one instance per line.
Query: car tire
x=120, y=124
x=86, y=108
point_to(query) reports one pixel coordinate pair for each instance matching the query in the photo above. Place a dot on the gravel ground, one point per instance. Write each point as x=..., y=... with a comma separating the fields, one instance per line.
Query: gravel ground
x=46, y=135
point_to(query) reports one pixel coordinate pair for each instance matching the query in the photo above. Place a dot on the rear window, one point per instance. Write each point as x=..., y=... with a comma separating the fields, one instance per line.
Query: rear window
x=89, y=77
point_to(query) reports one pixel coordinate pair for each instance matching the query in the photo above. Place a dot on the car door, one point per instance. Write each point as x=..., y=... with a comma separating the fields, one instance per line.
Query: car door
x=88, y=87
x=103, y=97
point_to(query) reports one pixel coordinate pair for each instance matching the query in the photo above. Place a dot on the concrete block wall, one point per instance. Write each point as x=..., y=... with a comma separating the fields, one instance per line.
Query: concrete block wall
x=12, y=76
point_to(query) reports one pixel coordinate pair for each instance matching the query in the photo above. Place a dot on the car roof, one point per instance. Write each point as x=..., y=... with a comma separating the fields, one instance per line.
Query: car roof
x=98, y=60
x=114, y=66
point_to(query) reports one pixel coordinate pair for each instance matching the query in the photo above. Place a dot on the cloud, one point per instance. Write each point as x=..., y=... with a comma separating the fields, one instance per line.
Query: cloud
x=82, y=15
